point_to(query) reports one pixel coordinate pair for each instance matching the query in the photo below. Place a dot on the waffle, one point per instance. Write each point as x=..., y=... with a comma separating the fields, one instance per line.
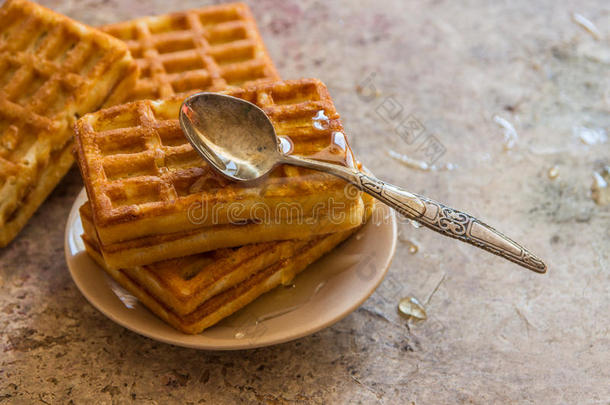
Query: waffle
x=195, y=292
x=207, y=49
x=184, y=283
x=144, y=179
x=52, y=70
x=229, y=301
x=152, y=249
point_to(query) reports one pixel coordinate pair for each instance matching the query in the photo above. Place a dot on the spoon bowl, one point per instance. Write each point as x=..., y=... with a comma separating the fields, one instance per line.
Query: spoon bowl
x=235, y=136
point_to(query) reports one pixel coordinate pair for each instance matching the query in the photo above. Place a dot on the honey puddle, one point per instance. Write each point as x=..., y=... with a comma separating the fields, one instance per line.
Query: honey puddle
x=419, y=164
x=122, y=294
x=410, y=308
x=553, y=172
x=412, y=246
x=336, y=151
x=587, y=25
x=600, y=191
x=510, y=133
x=590, y=136
x=285, y=299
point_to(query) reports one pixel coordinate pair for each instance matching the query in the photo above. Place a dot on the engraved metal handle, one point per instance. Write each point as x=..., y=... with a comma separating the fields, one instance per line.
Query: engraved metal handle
x=460, y=225
x=432, y=214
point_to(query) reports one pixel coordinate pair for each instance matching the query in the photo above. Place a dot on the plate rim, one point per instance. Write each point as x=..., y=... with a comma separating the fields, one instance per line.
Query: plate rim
x=75, y=216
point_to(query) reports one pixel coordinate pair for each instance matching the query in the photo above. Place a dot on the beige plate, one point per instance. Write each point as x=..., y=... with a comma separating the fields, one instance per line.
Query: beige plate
x=327, y=291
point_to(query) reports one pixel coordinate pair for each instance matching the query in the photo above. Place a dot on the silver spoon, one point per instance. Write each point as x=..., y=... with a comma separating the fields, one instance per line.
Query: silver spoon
x=237, y=139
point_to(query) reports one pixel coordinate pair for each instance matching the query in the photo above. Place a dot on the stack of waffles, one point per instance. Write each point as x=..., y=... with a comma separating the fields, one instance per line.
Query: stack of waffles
x=189, y=244
x=52, y=70
x=192, y=246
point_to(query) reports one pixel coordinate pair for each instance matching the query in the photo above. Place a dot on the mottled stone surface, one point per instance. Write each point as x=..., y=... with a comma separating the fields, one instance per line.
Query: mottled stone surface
x=495, y=333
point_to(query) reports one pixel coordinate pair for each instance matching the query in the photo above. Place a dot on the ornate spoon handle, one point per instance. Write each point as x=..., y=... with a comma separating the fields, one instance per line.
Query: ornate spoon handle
x=433, y=215
x=460, y=225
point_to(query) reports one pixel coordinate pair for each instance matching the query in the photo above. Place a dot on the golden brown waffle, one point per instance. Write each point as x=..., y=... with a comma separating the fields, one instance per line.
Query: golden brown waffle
x=195, y=292
x=144, y=179
x=52, y=70
x=207, y=49
x=152, y=249
x=230, y=300
x=183, y=284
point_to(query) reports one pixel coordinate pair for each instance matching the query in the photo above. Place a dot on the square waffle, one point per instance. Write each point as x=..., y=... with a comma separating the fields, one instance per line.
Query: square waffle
x=152, y=249
x=52, y=70
x=206, y=49
x=182, y=284
x=227, y=302
x=144, y=179
x=193, y=293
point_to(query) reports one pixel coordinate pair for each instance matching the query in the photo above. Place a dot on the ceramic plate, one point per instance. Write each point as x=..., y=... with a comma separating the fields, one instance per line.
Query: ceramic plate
x=327, y=291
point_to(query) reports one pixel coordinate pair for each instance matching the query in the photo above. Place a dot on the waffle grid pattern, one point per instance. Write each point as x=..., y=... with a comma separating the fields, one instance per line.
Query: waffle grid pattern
x=47, y=64
x=204, y=49
x=135, y=157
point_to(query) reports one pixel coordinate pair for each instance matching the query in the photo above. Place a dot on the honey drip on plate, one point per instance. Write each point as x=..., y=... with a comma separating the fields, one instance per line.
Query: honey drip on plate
x=285, y=299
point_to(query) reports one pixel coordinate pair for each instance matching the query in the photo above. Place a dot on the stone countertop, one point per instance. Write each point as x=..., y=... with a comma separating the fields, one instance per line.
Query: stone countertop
x=513, y=97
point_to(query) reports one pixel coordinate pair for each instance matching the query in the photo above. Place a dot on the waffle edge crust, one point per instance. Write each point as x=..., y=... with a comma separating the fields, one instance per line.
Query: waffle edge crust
x=52, y=71
x=151, y=249
x=206, y=49
x=231, y=300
